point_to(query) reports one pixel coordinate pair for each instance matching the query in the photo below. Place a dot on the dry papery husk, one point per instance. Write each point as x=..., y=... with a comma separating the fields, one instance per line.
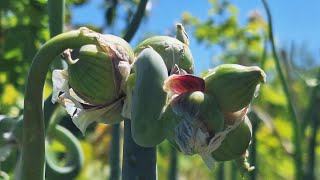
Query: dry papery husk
x=193, y=140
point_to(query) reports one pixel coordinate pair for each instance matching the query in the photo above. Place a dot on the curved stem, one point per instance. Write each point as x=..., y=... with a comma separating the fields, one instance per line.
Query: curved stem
x=56, y=13
x=74, y=151
x=33, y=146
x=294, y=120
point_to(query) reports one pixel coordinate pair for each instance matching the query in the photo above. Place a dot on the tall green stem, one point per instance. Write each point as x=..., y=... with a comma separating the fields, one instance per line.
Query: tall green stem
x=311, y=158
x=253, y=147
x=312, y=115
x=138, y=162
x=292, y=115
x=115, y=152
x=56, y=14
x=311, y=106
x=220, y=171
x=33, y=146
x=173, y=170
x=136, y=20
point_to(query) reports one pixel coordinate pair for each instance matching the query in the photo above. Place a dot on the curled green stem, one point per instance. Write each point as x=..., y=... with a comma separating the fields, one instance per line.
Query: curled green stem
x=74, y=154
x=33, y=146
x=294, y=120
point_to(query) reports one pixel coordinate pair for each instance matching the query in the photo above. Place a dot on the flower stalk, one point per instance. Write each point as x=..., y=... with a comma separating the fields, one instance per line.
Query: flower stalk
x=33, y=146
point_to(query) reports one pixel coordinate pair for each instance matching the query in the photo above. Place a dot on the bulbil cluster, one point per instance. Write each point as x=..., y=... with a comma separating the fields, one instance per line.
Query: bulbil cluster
x=154, y=87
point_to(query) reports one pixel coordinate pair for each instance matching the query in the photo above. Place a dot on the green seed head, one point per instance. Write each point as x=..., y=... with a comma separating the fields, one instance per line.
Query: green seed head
x=148, y=99
x=200, y=106
x=236, y=142
x=171, y=50
x=98, y=74
x=233, y=86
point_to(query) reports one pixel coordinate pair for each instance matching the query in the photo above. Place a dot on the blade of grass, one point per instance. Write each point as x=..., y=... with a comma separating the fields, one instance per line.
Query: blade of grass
x=292, y=115
x=312, y=115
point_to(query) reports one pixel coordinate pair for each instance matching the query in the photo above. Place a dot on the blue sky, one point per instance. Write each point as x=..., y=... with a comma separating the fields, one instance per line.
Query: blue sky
x=294, y=21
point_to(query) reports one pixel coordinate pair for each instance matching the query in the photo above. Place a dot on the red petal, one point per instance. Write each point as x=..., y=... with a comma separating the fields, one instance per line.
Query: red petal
x=178, y=84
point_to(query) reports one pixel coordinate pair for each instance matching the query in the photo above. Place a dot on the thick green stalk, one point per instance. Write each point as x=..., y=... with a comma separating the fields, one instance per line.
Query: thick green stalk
x=220, y=171
x=253, y=147
x=138, y=162
x=312, y=115
x=311, y=158
x=292, y=115
x=33, y=149
x=311, y=106
x=115, y=152
x=173, y=170
x=56, y=14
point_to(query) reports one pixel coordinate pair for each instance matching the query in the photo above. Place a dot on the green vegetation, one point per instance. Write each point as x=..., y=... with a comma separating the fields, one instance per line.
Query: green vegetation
x=284, y=117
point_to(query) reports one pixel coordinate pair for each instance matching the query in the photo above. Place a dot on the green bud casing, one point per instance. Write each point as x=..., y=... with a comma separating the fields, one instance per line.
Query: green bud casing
x=96, y=76
x=171, y=50
x=200, y=106
x=148, y=99
x=92, y=77
x=235, y=143
x=233, y=86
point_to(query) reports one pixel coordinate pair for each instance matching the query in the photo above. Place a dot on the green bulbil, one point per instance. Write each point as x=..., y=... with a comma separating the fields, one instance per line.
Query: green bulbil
x=171, y=50
x=233, y=86
x=181, y=34
x=235, y=144
x=120, y=46
x=93, y=76
x=202, y=107
x=148, y=99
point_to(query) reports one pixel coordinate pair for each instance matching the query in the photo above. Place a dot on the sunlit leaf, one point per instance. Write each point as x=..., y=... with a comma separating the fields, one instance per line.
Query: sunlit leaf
x=272, y=95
